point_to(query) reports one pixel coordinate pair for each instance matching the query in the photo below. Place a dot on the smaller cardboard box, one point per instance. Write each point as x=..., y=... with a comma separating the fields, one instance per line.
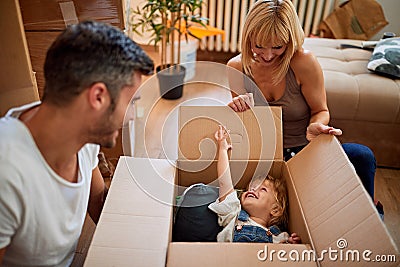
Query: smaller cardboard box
x=328, y=205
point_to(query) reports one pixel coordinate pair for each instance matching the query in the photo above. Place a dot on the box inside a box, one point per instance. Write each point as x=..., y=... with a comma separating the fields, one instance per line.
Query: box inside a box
x=257, y=151
x=257, y=147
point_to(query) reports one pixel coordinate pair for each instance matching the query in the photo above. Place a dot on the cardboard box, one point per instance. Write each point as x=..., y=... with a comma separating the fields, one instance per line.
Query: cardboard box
x=51, y=15
x=328, y=206
x=38, y=44
x=44, y=20
x=17, y=80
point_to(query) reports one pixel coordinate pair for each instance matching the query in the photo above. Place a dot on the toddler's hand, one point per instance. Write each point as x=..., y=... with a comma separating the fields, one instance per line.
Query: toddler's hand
x=221, y=135
x=294, y=239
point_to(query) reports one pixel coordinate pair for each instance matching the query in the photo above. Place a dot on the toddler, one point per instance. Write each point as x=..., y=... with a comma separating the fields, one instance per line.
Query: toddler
x=259, y=213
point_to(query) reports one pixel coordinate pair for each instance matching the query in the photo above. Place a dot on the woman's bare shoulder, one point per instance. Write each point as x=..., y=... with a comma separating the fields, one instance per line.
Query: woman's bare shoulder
x=303, y=56
x=304, y=61
x=306, y=67
x=235, y=62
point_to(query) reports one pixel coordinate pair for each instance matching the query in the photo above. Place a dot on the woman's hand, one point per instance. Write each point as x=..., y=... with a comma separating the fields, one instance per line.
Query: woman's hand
x=221, y=135
x=294, y=239
x=242, y=102
x=317, y=128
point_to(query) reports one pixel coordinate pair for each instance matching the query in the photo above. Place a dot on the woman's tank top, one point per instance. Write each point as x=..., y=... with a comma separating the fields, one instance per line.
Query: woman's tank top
x=295, y=110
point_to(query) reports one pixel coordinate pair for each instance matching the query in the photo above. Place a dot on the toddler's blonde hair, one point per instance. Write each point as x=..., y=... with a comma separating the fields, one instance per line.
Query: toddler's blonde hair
x=281, y=195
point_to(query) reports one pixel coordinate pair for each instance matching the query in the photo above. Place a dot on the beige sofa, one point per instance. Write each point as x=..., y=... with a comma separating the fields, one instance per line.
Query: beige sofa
x=364, y=105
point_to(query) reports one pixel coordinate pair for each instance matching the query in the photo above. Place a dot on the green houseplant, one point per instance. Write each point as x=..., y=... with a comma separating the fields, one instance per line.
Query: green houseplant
x=168, y=21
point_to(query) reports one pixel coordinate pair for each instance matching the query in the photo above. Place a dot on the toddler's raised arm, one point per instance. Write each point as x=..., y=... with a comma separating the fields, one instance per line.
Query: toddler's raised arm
x=223, y=170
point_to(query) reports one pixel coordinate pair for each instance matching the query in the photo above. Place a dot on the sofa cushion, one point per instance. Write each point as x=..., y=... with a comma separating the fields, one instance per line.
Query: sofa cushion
x=366, y=106
x=385, y=59
x=353, y=92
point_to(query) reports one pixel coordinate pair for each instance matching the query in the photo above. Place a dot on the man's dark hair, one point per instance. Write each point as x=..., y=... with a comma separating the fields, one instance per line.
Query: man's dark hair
x=91, y=52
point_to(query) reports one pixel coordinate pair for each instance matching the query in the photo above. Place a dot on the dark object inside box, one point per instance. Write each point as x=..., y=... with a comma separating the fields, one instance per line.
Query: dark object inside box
x=194, y=222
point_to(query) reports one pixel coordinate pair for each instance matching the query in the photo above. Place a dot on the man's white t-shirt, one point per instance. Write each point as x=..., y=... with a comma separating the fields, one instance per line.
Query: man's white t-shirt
x=41, y=214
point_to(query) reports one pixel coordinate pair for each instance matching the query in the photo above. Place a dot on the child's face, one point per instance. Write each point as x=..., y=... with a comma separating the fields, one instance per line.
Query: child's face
x=260, y=202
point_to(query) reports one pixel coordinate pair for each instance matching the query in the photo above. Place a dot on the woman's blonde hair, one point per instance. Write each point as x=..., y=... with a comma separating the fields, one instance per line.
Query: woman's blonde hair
x=273, y=21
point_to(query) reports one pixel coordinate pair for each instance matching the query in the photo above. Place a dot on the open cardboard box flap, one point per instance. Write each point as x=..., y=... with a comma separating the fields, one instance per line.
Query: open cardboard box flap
x=337, y=208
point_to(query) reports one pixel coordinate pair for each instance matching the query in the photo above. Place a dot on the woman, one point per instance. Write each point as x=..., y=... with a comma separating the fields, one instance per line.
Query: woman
x=289, y=76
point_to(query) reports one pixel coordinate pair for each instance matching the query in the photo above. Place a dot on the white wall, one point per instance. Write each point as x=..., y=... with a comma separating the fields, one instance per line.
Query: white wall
x=145, y=37
x=391, y=8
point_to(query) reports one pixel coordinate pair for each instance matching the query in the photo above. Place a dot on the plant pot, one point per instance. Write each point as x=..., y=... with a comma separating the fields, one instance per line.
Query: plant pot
x=171, y=81
x=188, y=52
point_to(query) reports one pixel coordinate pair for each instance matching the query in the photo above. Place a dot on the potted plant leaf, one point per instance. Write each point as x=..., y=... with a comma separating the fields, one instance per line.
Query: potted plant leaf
x=168, y=21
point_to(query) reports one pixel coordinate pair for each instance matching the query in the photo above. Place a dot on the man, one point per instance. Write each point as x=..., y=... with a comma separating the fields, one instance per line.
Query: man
x=49, y=150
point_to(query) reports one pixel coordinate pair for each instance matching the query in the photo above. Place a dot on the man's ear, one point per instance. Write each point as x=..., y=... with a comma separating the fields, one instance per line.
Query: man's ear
x=98, y=96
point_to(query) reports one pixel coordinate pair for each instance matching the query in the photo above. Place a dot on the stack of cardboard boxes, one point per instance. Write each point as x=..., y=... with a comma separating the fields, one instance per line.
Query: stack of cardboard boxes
x=28, y=29
x=44, y=20
x=17, y=80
